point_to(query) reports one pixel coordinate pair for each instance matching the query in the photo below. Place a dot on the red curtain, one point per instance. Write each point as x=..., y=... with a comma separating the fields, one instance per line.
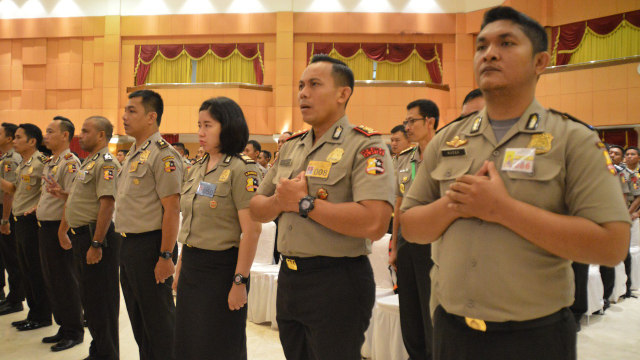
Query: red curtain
x=146, y=53
x=171, y=138
x=75, y=147
x=622, y=137
x=571, y=34
x=382, y=51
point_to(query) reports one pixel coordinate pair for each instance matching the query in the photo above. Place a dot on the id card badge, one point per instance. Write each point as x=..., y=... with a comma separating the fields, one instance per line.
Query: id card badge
x=519, y=160
x=206, y=189
x=319, y=169
x=81, y=175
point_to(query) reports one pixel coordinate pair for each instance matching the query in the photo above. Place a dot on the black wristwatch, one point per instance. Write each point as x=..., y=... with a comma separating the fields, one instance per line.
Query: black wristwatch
x=166, y=255
x=305, y=205
x=239, y=279
x=96, y=244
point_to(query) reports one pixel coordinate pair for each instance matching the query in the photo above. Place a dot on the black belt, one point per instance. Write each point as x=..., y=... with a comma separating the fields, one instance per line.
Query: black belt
x=80, y=229
x=20, y=217
x=143, y=234
x=42, y=223
x=489, y=326
x=317, y=262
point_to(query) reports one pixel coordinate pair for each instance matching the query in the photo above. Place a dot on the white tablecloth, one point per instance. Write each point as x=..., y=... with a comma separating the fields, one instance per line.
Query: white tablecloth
x=634, y=249
x=595, y=290
x=379, y=259
x=367, y=347
x=620, y=284
x=266, y=244
x=387, y=336
x=261, y=298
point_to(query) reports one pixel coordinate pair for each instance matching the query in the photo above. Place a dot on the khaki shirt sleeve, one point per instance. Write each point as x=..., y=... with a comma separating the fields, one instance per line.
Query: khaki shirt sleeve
x=167, y=172
x=424, y=189
x=592, y=190
x=106, y=179
x=244, y=186
x=367, y=182
x=70, y=170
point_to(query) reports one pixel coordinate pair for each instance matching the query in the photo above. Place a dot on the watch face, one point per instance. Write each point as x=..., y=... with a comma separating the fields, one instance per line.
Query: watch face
x=305, y=204
x=237, y=279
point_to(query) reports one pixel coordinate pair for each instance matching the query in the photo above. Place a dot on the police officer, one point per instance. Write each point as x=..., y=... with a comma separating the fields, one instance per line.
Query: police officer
x=214, y=266
x=8, y=167
x=58, y=269
x=148, y=217
x=501, y=194
x=413, y=261
x=333, y=186
x=184, y=155
x=632, y=174
x=26, y=193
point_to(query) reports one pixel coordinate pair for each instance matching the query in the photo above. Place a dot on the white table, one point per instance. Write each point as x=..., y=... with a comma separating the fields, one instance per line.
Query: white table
x=595, y=290
x=387, y=336
x=262, y=289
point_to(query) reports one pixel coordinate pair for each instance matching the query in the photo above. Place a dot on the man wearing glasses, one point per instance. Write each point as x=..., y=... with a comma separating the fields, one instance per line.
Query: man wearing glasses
x=413, y=261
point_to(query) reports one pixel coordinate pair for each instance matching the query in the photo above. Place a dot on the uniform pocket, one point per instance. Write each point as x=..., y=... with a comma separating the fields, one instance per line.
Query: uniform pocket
x=447, y=171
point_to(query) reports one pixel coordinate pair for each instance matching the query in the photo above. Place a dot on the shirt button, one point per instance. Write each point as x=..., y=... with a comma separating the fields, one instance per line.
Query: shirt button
x=474, y=262
x=470, y=304
x=290, y=227
x=496, y=153
x=447, y=174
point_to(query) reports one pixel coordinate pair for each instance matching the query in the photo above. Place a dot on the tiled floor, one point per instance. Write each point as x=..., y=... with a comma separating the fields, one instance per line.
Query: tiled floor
x=616, y=335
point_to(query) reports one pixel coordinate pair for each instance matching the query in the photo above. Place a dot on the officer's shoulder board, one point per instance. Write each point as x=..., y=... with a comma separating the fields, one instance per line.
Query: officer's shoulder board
x=44, y=159
x=107, y=157
x=569, y=117
x=162, y=143
x=459, y=118
x=407, y=150
x=365, y=130
x=68, y=156
x=246, y=159
x=297, y=135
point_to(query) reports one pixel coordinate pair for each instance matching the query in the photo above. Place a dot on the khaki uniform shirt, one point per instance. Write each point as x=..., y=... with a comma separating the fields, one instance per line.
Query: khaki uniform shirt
x=632, y=178
x=63, y=170
x=9, y=163
x=407, y=164
x=149, y=173
x=28, y=183
x=346, y=164
x=210, y=202
x=484, y=270
x=95, y=179
x=625, y=183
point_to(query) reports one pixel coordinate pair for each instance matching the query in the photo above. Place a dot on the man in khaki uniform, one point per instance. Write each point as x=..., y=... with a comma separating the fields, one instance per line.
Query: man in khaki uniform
x=58, y=269
x=148, y=214
x=8, y=170
x=502, y=195
x=333, y=186
x=26, y=193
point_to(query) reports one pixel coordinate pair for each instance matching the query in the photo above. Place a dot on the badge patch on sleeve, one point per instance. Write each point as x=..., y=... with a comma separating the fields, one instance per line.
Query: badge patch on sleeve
x=372, y=151
x=108, y=174
x=374, y=167
x=7, y=167
x=169, y=166
x=252, y=184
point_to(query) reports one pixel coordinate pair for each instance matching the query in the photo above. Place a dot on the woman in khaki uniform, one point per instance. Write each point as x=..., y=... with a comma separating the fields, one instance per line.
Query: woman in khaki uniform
x=213, y=270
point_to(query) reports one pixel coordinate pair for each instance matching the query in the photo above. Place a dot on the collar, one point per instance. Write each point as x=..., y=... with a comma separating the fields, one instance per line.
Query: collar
x=28, y=162
x=56, y=160
x=415, y=154
x=335, y=134
x=145, y=145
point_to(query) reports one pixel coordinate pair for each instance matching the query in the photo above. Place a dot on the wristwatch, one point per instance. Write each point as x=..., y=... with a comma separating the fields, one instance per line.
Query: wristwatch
x=239, y=279
x=166, y=255
x=96, y=244
x=305, y=205
x=4, y=221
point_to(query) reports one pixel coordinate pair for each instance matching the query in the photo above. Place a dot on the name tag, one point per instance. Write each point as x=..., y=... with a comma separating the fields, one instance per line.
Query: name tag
x=519, y=160
x=285, y=162
x=206, y=189
x=454, y=152
x=81, y=175
x=319, y=169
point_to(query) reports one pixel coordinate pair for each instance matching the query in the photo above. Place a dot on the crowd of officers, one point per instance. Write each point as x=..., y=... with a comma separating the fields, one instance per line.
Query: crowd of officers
x=493, y=206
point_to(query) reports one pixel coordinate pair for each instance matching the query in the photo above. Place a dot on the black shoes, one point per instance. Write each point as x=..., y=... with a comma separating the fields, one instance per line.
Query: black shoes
x=19, y=323
x=607, y=304
x=32, y=325
x=10, y=308
x=52, y=339
x=65, y=344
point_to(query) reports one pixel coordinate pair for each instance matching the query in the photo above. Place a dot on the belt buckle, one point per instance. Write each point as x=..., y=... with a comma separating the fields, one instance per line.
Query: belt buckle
x=73, y=231
x=15, y=218
x=291, y=264
x=39, y=225
x=123, y=235
x=476, y=324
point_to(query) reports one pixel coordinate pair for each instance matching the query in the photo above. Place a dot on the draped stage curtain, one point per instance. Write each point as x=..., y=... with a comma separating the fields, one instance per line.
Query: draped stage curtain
x=215, y=63
x=622, y=137
x=604, y=38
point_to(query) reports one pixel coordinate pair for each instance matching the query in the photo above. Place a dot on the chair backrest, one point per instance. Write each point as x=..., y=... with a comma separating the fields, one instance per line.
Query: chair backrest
x=379, y=259
x=266, y=244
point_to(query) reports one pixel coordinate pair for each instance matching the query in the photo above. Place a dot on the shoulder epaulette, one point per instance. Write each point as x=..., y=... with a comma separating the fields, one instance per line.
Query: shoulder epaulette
x=365, y=130
x=407, y=150
x=68, y=156
x=107, y=157
x=567, y=116
x=246, y=159
x=297, y=134
x=459, y=118
x=162, y=143
x=45, y=159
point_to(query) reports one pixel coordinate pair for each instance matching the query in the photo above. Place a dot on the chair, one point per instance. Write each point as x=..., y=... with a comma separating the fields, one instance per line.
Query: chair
x=387, y=335
x=266, y=244
x=620, y=284
x=264, y=277
x=634, y=250
x=595, y=291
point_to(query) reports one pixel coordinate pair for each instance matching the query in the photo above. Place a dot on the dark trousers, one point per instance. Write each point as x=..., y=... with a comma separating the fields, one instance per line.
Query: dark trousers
x=205, y=327
x=100, y=290
x=151, y=309
x=627, y=270
x=29, y=259
x=608, y=276
x=61, y=281
x=9, y=253
x=581, y=277
x=414, y=290
x=276, y=253
x=454, y=340
x=324, y=310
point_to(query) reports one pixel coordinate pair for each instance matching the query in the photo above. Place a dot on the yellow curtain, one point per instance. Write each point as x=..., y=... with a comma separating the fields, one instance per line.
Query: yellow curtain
x=623, y=41
x=163, y=70
x=233, y=68
x=412, y=68
x=359, y=63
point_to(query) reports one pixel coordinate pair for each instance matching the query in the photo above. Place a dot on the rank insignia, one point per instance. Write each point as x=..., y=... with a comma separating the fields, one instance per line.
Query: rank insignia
x=374, y=166
x=541, y=142
x=108, y=174
x=372, y=151
x=252, y=184
x=365, y=130
x=337, y=132
x=162, y=143
x=213, y=204
x=169, y=166
x=95, y=157
x=335, y=155
x=532, y=123
x=68, y=156
x=93, y=163
x=456, y=141
x=107, y=157
x=224, y=176
x=476, y=125
x=322, y=194
x=71, y=168
x=146, y=145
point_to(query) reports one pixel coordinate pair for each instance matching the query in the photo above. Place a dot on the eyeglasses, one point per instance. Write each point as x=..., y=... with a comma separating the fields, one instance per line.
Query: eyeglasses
x=411, y=121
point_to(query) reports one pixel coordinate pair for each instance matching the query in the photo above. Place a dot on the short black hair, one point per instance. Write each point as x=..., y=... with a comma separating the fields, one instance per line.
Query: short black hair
x=32, y=132
x=399, y=128
x=531, y=28
x=152, y=101
x=266, y=154
x=103, y=124
x=66, y=125
x=124, y=151
x=341, y=73
x=234, y=131
x=179, y=145
x=10, y=129
x=427, y=109
x=611, y=146
x=256, y=145
x=632, y=148
x=186, y=152
x=473, y=94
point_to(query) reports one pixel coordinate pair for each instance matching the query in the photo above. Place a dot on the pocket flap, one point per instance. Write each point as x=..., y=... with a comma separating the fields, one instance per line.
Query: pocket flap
x=450, y=170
